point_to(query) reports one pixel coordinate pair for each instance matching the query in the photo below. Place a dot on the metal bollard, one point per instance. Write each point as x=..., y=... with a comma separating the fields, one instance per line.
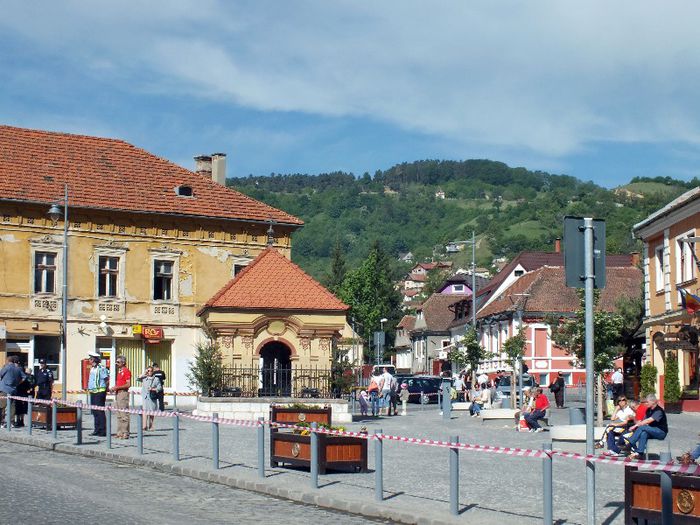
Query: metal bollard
x=131, y=400
x=176, y=436
x=454, y=477
x=666, y=491
x=8, y=414
x=174, y=400
x=79, y=423
x=54, y=423
x=215, y=441
x=378, y=467
x=108, y=425
x=446, y=401
x=422, y=400
x=547, y=485
x=314, y=456
x=139, y=432
x=30, y=409
x=261, y=448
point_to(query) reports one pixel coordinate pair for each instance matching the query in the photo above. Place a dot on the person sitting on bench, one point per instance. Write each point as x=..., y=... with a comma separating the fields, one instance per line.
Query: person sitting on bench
x=654, y=426
x=541, y=406
x=622, y=420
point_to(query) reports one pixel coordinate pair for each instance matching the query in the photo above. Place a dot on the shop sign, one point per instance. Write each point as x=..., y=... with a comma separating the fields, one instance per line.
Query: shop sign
x=152, y=334
x=137, y=329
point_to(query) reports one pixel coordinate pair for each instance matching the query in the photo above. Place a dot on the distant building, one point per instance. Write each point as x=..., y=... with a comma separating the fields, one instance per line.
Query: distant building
x=406, y=257
x=439, y=194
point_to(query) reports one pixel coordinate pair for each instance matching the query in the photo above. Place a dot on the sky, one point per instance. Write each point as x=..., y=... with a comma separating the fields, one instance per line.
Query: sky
x=603, y=91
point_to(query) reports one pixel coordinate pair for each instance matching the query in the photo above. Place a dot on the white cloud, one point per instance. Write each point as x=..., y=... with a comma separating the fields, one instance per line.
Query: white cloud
x=548, y=77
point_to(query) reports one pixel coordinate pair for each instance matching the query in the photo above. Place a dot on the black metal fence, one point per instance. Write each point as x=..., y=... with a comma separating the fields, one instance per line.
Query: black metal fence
x=276, y=382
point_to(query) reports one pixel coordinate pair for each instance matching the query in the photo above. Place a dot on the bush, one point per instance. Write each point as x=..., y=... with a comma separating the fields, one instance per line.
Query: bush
x=672, y=385
x=207, y=369
x=648, y=380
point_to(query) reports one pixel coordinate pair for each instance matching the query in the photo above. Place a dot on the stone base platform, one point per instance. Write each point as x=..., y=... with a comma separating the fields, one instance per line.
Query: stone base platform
x=250, y=409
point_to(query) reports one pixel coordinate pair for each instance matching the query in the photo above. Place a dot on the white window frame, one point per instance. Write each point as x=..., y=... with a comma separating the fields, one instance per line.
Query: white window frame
x=659, y=267
x=120, y=255
x=175, y=283
x=685, y=262
x=458, y=287
x=49, y=247
x=44, y=275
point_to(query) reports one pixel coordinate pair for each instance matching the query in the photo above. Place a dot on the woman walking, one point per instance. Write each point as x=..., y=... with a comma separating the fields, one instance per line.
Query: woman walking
x=150, y=388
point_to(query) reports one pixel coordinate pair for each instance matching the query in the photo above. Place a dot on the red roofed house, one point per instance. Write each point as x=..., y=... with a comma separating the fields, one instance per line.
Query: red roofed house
x=149, y=243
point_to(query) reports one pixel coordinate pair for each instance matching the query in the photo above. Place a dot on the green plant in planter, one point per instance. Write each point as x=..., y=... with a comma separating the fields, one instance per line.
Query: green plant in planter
x=672, y=385
x=301, y=406
x=647, y=380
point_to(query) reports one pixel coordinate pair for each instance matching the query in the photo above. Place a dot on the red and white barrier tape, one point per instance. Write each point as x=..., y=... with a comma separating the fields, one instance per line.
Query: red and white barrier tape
x=510, y=451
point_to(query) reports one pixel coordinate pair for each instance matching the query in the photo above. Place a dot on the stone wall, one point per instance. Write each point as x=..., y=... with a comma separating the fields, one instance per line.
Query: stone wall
x=250, y=409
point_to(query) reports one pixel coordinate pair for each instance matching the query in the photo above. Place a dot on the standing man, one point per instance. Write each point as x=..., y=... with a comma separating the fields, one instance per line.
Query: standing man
x=386, y=389
x=121, y=392
x=157, y=372
x=617, y=386
x=44, y=381
x=97, y=387
x=557, y=388
x=11, y=376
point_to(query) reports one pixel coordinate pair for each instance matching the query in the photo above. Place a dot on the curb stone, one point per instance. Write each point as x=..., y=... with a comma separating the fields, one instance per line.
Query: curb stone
x=350, y=506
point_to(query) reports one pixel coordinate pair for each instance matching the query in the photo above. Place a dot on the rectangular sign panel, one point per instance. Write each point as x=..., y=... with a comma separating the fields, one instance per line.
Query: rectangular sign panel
x=574, y=251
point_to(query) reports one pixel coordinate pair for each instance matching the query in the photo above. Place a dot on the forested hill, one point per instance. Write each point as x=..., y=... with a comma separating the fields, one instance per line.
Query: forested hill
x=510, y=209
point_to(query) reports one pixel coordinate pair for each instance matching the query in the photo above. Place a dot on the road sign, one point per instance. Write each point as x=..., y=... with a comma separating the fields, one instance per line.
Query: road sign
x=574, y=252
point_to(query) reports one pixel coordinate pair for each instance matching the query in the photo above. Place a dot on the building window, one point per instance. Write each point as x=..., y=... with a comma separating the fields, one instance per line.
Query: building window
x=684, y=259
x=459, y=287
x=519, y=273
x=163, y=280
x=659, y=268
x=45, y=272
x=108, y=277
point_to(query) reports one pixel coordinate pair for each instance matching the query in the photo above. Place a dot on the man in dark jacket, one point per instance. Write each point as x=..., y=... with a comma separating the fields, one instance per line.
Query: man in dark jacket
x=44, y=381
x=654, y=426
x=557, y=388
x=11, y=375
x=157, y=372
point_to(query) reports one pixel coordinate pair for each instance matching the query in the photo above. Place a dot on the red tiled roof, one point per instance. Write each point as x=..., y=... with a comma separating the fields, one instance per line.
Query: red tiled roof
x=437, y=311
x=544, y=290
x=272, y=281
x=411, y=293
x=115, y=175
x=417, y=277
x=408, y=322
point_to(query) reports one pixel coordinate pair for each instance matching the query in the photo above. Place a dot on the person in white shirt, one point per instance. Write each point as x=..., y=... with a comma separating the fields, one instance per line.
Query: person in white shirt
x=622, y=419
x=386, y=389
x=483, y=379
x=617, y=381
x=459, y=387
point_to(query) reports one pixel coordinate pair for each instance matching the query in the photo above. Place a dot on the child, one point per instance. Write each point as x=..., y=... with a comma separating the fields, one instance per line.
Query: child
x=403, y=396
x=364, y=403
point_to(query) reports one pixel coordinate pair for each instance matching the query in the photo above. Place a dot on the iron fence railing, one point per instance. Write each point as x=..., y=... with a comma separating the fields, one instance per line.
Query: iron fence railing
x=239, y=381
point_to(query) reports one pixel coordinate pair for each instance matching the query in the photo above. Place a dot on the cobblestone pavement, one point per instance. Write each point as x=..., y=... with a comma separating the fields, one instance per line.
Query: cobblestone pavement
x=44, y=487
x=493, y=488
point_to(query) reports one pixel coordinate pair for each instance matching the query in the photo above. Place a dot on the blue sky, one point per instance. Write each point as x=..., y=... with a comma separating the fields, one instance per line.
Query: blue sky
x=599, y=90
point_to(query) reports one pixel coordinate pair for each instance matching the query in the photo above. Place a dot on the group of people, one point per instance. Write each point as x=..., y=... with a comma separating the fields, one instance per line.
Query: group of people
x=22, y=382
x=152, y=394
x=384, y=388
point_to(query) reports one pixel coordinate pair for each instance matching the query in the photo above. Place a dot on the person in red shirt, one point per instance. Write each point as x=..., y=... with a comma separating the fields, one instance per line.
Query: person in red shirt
x=121, y=391
x=538, y=412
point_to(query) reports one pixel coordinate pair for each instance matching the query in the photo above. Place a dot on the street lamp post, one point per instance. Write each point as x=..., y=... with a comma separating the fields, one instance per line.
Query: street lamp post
x=55, y=214
x=379, y=344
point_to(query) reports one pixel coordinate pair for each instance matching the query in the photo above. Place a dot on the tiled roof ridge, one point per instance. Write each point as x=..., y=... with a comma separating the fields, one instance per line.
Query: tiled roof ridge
x=236, y=278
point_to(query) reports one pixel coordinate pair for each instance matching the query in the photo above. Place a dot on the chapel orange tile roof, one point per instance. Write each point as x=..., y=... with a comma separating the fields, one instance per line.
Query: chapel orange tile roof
x=115, y=175
x=272, y=281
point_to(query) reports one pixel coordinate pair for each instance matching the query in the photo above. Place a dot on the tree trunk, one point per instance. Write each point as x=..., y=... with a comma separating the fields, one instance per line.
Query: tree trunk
x=599, y=400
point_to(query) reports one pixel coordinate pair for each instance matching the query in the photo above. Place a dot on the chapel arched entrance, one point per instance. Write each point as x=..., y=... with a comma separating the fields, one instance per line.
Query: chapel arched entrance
x=276, y=369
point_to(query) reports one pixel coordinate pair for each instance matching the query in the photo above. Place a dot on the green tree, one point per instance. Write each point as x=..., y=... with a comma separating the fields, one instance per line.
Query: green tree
x=370, y=293
x=647, y=381
x=206, y=369
x=672, y=385
x=435, y=278
x=468, y=352
x=514, y=349
x=335, y=278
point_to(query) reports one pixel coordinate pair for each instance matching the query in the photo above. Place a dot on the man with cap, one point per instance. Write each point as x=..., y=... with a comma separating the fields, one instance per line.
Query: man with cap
x=97, y=387
x=44, y=381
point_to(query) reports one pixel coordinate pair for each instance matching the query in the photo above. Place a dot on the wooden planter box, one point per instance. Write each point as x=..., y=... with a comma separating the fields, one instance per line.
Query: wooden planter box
x=292, y=416
x=66, y=417
x=643, y=497
x=335, y=452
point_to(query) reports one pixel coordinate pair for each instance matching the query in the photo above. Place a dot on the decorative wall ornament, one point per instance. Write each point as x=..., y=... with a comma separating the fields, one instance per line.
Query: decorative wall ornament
x=247, y=341
x=305, y=344
x=324, y=345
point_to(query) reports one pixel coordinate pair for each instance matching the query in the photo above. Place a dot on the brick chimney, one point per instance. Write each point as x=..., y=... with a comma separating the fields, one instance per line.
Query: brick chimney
x=218, y=168
x=202, y=165
x=635, y=258
x=557, y=245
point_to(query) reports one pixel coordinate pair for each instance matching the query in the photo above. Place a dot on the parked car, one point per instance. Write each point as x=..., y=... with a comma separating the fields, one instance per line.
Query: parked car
x=504, y=387
x=429, y=386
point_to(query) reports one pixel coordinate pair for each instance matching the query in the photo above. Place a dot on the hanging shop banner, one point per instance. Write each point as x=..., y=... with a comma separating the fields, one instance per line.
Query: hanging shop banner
x=152, y=334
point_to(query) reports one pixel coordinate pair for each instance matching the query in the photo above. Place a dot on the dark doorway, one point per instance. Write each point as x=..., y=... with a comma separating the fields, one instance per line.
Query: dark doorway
x=276, y=370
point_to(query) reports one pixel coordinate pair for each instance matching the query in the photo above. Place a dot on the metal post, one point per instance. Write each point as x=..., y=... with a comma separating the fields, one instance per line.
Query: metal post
x=314, y=456
x=131, y=400
x=422, y=400
x=666, y=491
x=176, y=436
x=139, y=432
x=108, y=421
x=547, y=485
x=215, y=441
x=446, y=400
x=473, y=281
x=30, y=409
x=174, y=400
x=54, y=424
x=378, y=466
x=64, y=298
x=454, y=477
x=79, y=423
x=261, y=448
x=590, y=277
x=8, y=414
